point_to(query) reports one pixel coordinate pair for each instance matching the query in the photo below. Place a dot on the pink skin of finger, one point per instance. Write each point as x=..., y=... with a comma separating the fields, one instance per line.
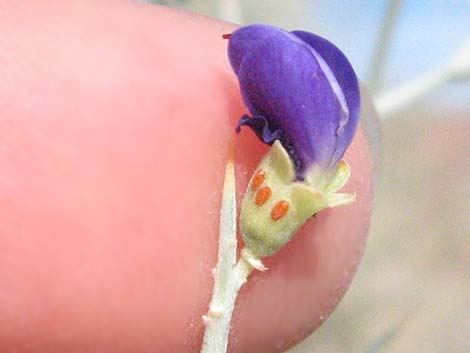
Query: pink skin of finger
x=114, y=120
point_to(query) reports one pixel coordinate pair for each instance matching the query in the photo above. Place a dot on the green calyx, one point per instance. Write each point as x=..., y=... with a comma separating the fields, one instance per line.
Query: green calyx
x=275, y=206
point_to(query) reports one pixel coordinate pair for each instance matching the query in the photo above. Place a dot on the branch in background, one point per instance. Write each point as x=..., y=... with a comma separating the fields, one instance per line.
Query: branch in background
x=457, y=68
x=165, y=2
x=382, y=342
x=382, y=47
x=230, y=10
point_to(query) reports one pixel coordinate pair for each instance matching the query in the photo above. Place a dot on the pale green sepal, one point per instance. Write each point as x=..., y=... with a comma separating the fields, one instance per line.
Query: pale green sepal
x=307, y=201
x=281, y=163
x=339, y=199
x=339, y=178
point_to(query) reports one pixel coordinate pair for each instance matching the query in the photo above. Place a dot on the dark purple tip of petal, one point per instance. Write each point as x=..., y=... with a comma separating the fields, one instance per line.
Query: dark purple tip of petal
x=268, y=133
x=300, y=84
x=261, y=128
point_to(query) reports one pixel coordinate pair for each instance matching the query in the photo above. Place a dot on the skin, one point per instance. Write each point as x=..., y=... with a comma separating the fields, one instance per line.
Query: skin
x=114, y=120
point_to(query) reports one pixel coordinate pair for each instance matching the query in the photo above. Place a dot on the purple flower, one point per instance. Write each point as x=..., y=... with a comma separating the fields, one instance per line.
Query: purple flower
x=300, y=89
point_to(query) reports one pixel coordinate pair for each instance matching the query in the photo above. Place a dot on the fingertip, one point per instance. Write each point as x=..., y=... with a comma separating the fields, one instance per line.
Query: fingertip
x=127, y=194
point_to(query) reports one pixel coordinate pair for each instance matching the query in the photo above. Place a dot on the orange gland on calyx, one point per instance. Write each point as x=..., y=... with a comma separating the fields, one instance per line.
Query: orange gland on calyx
x=279, y=210
x=262, y=195
x=258, y=179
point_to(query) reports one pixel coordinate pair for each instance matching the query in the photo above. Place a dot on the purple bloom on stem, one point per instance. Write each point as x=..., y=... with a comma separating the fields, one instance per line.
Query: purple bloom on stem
x=300, y=89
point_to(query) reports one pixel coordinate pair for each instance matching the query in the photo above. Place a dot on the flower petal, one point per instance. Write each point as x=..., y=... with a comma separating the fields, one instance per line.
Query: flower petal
x=347, y=80
x=283, y=79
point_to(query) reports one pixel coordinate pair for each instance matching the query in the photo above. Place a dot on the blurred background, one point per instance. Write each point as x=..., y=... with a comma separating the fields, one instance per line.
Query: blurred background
x=412, y=290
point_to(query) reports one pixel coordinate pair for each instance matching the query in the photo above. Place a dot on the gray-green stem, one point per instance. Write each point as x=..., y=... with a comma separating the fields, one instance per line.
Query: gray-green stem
x=217, y=320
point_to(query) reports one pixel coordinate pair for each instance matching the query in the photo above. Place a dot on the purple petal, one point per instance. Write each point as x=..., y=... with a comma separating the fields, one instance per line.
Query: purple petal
x=347, y=80
x=301, y=84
